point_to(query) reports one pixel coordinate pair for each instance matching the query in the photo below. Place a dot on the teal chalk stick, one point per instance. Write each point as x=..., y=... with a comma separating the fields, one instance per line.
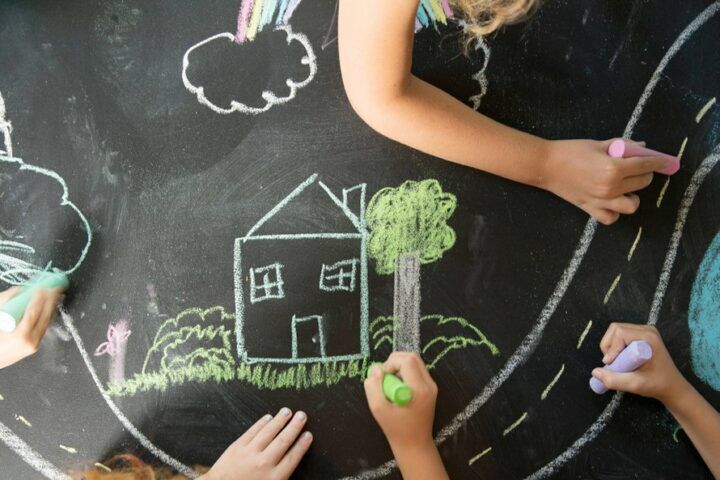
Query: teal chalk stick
x=13, y=310
x=394, y=389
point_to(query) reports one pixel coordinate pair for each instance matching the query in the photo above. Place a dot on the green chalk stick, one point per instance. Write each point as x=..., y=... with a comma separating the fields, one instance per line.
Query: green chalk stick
x=13, y=310
x=394, y=389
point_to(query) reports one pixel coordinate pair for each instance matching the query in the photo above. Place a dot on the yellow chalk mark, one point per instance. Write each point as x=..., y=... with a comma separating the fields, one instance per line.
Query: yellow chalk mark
x=705, y=109
x=583, y=335
x=663, y=190
x=552, y=383
x=23, y=420
x=612, y=289
x=682, y=148
x=515, y=424
x=479, y=456
x=102, y=467
x=2, y=398
x=254, y=21
x=635, y=243
x=68, y=449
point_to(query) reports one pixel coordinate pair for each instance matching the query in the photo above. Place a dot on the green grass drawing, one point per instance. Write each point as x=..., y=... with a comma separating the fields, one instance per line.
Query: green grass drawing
x=196, y=347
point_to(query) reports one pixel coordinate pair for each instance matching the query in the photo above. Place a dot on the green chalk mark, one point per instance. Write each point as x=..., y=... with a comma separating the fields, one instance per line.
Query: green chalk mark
x=410, y=219
x=675, y=433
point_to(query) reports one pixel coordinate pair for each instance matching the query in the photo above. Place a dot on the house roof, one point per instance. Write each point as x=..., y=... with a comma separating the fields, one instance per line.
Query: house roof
x=310, y=209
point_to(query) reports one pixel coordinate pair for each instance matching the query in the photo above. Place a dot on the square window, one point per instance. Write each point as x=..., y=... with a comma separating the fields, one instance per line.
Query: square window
x=339, y=276
x=266, y=283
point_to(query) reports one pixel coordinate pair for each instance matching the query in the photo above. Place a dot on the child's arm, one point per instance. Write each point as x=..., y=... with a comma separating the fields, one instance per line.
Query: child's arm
x=659, y=378
x=376, y=44
x=270, y=449
x=25, y=339
x=408, y=428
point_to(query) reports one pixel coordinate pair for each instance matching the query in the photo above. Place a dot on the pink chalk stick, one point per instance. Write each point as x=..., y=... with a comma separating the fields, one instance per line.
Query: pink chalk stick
x=622, y=149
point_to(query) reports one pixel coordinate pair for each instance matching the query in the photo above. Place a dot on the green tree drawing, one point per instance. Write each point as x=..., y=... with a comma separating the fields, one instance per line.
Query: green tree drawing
x=408, y=228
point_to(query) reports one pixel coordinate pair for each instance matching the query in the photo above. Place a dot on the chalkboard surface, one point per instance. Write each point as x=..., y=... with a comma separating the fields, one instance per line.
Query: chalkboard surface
x=231, y=229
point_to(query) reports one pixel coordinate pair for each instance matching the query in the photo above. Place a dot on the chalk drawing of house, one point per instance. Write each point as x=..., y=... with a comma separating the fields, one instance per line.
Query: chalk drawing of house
x=301, y=282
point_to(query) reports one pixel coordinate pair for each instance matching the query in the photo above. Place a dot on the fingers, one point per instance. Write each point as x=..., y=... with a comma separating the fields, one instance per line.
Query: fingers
x=604, y=216
x=373, y=388
x=34, y=311
x=409, y=366
x=292, y=459
x=271, y=429
x=624, y=204
x=8, y=294
x=619, y=335
x=637, y=182
x=624, y=382
x=286, y=438
x=633, y=166
x=52, y=302
x=251, y=432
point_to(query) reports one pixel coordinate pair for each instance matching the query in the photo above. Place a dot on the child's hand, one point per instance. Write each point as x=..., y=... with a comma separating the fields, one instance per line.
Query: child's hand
x=25, y=339
x=582, y=172
x=658, y=378
x=412, y=423
x=270, y=450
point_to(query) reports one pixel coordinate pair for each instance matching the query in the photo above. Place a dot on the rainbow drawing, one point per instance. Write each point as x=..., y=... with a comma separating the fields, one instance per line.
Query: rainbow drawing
x=255, y=15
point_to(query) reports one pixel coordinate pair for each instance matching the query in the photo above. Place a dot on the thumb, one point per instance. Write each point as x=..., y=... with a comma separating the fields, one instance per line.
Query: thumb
x=373, y=388
x=624, y=382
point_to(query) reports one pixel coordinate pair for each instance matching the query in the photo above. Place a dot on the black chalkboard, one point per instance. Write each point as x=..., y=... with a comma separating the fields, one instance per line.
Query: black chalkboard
x=151, y=190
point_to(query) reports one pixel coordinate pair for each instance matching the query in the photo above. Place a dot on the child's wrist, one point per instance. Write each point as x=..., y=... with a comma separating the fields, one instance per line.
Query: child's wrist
x=543, y=175
x=677, y=394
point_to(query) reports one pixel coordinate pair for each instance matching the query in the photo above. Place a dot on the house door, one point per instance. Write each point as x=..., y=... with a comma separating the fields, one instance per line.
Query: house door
x=308, y=337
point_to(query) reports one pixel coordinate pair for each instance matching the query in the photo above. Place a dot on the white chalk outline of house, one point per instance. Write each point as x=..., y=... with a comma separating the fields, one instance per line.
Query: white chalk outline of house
x=361, y=234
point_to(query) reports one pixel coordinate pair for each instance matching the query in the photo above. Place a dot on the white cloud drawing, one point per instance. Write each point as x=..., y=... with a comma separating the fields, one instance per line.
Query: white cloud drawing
x=270, y=98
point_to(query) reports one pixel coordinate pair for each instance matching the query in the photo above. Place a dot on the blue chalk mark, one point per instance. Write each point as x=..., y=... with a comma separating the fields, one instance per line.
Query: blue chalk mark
x=704, y=318
x=423, y=17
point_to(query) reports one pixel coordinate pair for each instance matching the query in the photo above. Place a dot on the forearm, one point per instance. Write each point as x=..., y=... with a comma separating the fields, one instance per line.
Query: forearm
x=430, y=120
x=420, y=461
x=701, y=423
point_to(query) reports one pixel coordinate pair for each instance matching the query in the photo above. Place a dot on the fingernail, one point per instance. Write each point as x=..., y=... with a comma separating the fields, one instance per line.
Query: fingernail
x=596, y=372
x=284, y=411
x=267, y=418
x=307, y=436
x=606, y=358
x=300, y=416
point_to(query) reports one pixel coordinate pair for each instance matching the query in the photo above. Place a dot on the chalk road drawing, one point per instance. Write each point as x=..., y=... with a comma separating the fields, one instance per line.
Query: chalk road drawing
x=116, y=348
x=30, y=456
x=18, y=261
x=408, y=228
x=352, y=240
x=530, y=342
x=703, y=319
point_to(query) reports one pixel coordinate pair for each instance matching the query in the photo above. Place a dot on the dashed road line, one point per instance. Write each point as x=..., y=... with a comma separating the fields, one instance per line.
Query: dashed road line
x=103, y=467
x=663, y=190
x=515, y=424
x=68, y=449
x=23, y=420
x=635, y=244
x=479, y=456
x=552, y=383
x=583, y=335
x=705, y=109
x=612, y=289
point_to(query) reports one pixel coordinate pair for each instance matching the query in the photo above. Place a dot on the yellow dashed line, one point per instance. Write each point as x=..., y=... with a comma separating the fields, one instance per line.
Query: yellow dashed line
x=68, y=449
x=635, y=243
x=479, y=456
x=705, y=109
x=23, y=420
x=103, y=467
x=682, y=148
x=552, y=383
x=2, y=398
x=612, y=289
x=662, y=192
x=583, y=335
x=515, y=424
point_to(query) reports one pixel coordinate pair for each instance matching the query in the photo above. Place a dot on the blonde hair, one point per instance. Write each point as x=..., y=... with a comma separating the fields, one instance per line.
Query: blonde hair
x=130, y=467
x=486, y=16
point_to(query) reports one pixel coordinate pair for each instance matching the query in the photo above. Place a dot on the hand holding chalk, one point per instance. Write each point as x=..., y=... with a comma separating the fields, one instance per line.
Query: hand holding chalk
x=623, y=149
x=13, y=310
x=393, y=388
x=630, y=359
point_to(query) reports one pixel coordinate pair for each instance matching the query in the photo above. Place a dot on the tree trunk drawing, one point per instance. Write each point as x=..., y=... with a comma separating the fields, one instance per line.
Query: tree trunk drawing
x=406, y=304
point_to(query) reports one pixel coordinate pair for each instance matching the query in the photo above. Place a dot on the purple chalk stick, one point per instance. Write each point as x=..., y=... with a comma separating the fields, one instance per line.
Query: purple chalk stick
x=630, y=359
x=622, y=149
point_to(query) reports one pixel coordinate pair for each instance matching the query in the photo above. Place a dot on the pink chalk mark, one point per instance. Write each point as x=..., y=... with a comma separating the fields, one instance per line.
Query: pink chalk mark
x=116, y=347
x=242, y=21
x=446, y=6
x=290, y=10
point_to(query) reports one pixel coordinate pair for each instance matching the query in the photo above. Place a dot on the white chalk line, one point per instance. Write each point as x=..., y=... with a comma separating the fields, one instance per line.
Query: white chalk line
x=129, y=426
x=530, y=342
x=598, y=426
x=310, y=59
x=30, y=456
